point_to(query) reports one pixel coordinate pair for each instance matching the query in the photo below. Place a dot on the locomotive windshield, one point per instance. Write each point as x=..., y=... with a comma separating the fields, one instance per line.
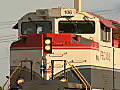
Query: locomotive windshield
x=78, y=27
x=36, y=27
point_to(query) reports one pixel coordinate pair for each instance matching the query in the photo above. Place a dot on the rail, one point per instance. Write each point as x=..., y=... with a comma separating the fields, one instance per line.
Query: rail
x=8, y=80
x=81, y=77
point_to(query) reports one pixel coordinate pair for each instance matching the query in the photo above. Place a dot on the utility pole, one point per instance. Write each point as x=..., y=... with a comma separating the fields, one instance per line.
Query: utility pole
x=78, y=5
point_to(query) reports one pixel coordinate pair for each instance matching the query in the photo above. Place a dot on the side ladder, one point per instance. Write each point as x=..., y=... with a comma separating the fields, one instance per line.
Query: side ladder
x=81, y=77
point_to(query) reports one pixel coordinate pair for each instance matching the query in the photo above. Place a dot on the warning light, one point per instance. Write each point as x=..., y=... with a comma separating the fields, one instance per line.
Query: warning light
x=47, y=45
x=47, y=41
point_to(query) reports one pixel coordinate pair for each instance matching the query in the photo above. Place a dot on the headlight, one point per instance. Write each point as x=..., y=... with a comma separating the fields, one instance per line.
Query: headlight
x=63, y=80
x=20, y=81
x=47, y=41
x=47, y=47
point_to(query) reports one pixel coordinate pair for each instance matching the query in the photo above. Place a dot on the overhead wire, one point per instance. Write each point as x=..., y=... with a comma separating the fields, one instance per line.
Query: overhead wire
x=7, y=38
x=12, y=38
x=5, y=27
x=8, y=41
x=110, y=15
x=110, y=12
x=8, y=35
x=7, y=22
x=102, y=11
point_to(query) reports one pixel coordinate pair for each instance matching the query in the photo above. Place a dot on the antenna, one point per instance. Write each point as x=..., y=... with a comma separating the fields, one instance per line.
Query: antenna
x=78, y=5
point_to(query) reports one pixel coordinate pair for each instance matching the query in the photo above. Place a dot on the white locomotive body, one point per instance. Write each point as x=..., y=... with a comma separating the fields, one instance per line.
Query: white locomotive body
x=53, y=40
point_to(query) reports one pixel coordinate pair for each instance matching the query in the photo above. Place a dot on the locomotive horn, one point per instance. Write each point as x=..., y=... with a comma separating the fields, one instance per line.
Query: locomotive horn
x=78, y=5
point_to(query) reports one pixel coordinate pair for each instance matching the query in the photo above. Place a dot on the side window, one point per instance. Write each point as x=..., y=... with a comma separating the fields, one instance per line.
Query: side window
x=105, y=33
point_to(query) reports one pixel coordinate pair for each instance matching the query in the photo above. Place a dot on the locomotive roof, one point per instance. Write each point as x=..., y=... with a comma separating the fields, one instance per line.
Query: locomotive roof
x=108, y=23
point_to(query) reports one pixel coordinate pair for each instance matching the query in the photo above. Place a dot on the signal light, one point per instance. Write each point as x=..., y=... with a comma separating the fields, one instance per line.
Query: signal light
x=48, y=45
x=47, y=41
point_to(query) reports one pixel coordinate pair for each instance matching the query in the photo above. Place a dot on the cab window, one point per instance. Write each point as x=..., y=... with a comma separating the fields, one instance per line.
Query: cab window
x=36, y=27
x=78, y=27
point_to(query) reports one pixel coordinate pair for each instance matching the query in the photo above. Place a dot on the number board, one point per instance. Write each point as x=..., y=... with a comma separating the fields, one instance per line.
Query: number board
x=68, y=12
x=58, y=12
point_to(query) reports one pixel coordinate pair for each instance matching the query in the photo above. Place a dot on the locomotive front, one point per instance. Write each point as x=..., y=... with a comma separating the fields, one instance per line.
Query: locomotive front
x=51, y=37
x=52, y=42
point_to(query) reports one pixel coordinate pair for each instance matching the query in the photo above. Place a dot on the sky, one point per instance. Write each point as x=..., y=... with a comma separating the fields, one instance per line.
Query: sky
x=12, y=10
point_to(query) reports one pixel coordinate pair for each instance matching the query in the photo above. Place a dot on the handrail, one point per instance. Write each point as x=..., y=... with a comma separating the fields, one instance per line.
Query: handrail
x=78, y=75
x=11, y=75
x=81, y=77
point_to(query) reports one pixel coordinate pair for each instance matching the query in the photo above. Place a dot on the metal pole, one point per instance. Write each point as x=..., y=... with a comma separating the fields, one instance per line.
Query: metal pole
x=52, y=64
x=113, y=69
x=31, y=68
x=21, y=68
x=65, y=69
x=42, y=69
x=42, y=74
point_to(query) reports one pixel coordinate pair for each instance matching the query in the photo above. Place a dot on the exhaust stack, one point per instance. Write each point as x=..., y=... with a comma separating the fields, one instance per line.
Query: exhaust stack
x=78, y=5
